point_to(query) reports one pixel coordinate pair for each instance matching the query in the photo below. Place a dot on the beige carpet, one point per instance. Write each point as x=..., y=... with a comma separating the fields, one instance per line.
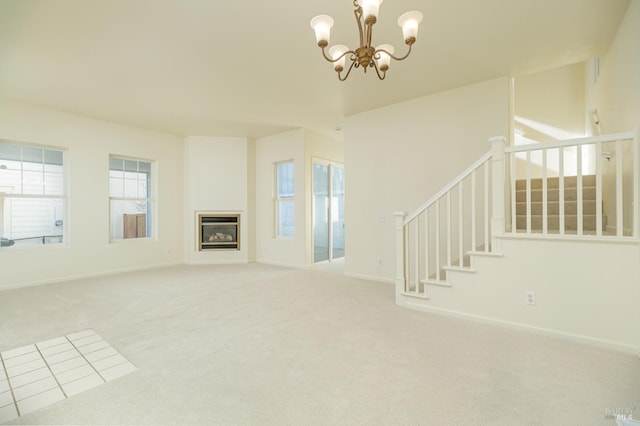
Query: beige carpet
x=256, y=344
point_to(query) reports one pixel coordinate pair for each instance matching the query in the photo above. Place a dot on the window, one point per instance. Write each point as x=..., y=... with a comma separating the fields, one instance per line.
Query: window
x=130, y=198
x=32, y=195
x=285, y=203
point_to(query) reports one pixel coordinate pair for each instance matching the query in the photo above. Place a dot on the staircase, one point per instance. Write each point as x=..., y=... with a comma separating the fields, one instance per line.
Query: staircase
x=589, y=218
x=532, y=253
x=471, y=216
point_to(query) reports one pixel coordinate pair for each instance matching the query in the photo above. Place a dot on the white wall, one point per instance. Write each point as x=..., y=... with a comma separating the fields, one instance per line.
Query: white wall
x=89, y=143
x=269, y=151
x=216, y=182
x=551, y=104
x=398, y=156
x=584, y=290
x=616, y=97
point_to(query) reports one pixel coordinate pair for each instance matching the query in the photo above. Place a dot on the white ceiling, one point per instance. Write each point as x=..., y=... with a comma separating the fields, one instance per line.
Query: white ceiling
x=233, y=68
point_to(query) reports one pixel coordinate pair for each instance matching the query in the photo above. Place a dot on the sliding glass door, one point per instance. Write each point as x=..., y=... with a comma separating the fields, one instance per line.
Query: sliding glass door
x=337, y=212
x=328, y=211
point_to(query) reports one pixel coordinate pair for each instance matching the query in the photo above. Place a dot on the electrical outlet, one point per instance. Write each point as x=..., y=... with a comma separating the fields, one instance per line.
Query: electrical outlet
x=380, y=262
x=530, y=297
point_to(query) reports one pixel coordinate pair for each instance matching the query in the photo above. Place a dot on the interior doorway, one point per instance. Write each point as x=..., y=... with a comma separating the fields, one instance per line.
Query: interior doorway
x=328, y=211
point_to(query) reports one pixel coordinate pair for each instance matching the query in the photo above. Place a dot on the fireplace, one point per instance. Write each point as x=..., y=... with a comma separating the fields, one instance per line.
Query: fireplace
x=219, y=232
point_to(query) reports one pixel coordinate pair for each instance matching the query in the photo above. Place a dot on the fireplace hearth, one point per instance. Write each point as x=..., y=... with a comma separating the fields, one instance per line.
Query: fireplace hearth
x=219, y=232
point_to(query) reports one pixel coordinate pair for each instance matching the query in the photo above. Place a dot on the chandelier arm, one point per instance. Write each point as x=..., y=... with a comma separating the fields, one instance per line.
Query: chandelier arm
x=353, y=62
x=324, y=53
x=397, y=58
x=384, y=73
x=357, y=11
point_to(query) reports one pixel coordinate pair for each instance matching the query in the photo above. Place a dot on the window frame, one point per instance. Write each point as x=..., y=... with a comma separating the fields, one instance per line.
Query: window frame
x=279, y=199
x=150, y=200
x=63, y=196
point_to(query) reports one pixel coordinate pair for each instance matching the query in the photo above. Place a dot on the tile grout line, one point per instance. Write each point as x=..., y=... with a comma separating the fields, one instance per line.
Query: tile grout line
x=85, y=358
x=48, y=366
x=26, y=362
x=50, y=371
x=13, y=396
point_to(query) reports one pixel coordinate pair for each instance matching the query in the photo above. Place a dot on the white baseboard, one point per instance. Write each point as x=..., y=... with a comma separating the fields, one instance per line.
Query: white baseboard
x=216, y=262
x=370, y=278
x=88, y=275
x=579, y=338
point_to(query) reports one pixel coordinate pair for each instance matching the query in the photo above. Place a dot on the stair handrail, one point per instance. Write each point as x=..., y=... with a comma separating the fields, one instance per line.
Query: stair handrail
x=570, y=142
x=486, y=157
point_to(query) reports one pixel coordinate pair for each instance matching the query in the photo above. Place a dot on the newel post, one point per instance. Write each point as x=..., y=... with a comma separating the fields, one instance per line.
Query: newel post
x=497, y=191
x=400, y=278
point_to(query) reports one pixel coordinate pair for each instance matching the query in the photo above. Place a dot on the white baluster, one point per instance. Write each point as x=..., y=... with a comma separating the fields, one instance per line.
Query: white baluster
x=449, y=228
x=512, y=186
x=460, y=227
x=619, y=196
x=438, y=239
x=407, y=270
x=636, y=183
x=416, y=255
x=426, y=246
x=473, y=211
x=487, y=226
x=497, y=179
x=599, y=160
x=400, y=253
x=528, y=191
x=545, y=218
x=561, y=190
x=579, y=198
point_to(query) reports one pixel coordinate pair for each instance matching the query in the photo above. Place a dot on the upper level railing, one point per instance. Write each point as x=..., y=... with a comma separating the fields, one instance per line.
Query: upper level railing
x=584, y=187
x=581, y=188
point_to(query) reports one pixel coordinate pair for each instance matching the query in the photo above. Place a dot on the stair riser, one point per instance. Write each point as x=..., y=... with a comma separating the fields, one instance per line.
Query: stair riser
x=553, y=183
x=553, y=224
x=554, y=194
x=553, y=208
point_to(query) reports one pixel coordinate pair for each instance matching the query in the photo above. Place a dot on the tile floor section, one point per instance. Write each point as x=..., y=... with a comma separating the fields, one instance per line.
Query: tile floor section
x=34, y=376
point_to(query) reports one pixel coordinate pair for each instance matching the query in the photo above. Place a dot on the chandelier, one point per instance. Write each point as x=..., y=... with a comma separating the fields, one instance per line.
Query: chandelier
x=366, y=55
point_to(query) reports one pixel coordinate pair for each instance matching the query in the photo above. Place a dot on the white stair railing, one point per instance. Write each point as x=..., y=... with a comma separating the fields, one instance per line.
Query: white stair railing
x=578, y=188
x=459, y=219
x=600, y=176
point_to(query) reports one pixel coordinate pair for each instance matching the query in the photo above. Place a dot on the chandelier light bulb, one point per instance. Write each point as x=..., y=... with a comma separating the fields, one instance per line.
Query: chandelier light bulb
x=409, y=22
x=322, y=24
x=335, y=53
x=370, y=9
x=384, y=60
